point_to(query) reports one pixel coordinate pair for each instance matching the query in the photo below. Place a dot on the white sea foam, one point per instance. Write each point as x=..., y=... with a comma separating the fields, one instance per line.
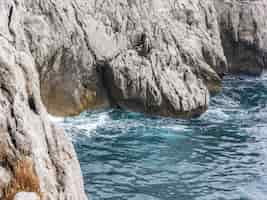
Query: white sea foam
x=90, y=124
x=263, y=76
x=56, y=119
x=178, y=128
x=216, y=115
x=85, y=125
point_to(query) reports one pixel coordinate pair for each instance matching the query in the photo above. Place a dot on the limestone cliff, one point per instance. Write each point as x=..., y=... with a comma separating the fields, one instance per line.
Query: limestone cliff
x=161, y=57
x=25, y=130
x=154, y=56
x=243, y=30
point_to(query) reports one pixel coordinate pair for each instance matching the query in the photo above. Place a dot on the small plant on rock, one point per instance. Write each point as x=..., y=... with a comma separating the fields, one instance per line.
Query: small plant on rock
x=24, y=180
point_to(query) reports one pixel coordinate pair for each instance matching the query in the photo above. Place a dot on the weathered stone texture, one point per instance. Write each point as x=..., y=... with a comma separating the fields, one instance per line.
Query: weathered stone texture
x=25, y=129
x=161, y=57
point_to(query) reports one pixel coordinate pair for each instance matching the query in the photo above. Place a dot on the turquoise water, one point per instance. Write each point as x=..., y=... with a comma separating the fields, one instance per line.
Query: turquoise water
x=220, y=156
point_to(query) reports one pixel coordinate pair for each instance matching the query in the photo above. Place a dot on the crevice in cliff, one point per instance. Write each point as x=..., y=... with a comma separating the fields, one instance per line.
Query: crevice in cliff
x=7, y=93
x=83, y=30
x=12, y=138
x=10, y=24
x=103, y=74
x=10, y=15
x=12, y=127
x=142, y=44
x=32, y=104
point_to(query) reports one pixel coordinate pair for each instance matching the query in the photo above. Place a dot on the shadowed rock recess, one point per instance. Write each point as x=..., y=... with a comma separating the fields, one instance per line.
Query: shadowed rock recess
x=243, y=29
x=160, y=57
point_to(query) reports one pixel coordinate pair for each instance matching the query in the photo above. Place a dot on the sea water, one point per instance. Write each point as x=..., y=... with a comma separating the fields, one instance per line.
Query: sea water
x=221, y=155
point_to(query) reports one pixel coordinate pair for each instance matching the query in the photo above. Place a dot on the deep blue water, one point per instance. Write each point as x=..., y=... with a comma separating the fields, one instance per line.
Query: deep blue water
x=220, y=156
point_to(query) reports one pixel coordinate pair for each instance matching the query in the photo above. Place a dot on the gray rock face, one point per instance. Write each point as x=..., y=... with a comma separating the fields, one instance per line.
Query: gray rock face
x=25, y=129
x=153, y=56
x=138, y=55
x=244, y=34
x=171, y=58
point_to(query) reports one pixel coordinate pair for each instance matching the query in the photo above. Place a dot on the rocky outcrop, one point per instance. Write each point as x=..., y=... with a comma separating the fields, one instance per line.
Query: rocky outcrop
x=25, y=130
x=173, y=53
x=153, y=56
x=243, y=30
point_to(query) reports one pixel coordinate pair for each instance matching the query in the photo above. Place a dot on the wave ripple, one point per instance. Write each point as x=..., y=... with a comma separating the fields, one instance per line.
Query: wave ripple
x=221, y=155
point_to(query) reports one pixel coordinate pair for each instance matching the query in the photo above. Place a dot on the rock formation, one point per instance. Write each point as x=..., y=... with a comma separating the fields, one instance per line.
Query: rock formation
x=25, y=130
x=243, y=30
x=154, y=56
x=171, y=59
x=161, y=57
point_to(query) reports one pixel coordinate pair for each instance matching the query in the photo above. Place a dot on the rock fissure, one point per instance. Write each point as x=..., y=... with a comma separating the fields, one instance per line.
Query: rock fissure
x=84, y=31
x=10, y=16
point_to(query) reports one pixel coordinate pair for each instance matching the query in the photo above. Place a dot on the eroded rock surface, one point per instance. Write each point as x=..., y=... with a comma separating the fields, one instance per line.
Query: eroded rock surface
x=244, y=34
x=153, y=56
x=171, y=59
x=25, y=129
x=156, y=56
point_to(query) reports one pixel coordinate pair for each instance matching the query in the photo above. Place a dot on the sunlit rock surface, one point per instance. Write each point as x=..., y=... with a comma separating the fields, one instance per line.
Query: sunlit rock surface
x=154, y=56
x=159, y=57
x=25, y=129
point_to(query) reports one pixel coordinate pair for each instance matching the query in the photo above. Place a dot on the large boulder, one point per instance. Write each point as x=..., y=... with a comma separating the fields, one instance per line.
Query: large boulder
x=173, y=59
